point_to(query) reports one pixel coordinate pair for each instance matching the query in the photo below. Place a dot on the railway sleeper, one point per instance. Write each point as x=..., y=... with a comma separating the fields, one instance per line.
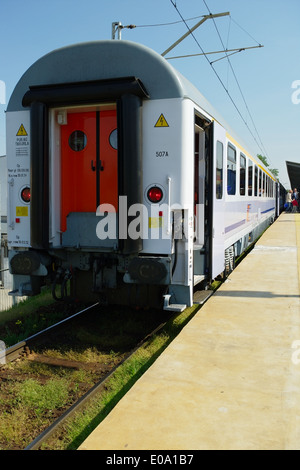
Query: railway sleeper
x=59, y=362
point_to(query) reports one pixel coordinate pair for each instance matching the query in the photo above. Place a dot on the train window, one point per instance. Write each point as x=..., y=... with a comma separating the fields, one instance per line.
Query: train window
x=255, y=180
x=219, y=171
x=231, y=170
x=113, y=139
x=242, y=175
x=250, y=178
x=77, y=141
x=271, y=187
x=261, y=188
x=264, y=185
x=259, y=182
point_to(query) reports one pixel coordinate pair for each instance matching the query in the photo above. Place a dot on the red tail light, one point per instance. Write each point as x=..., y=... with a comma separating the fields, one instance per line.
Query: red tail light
x=155, y=194
x=25, y=194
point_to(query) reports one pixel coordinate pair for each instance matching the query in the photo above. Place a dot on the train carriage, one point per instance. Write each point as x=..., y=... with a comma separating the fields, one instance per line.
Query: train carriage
x=123, y=179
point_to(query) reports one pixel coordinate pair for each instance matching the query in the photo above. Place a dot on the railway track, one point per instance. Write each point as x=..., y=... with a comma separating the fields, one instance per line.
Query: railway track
x=23, y=347
x=34, y=351
x=37, y=443
x=30, y=351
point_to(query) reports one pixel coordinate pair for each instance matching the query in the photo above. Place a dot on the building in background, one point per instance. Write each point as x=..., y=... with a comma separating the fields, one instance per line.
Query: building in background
x=3, y=193
x=5, y=277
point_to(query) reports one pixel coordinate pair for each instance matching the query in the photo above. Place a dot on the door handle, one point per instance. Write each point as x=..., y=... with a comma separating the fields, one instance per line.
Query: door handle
x=99, y=166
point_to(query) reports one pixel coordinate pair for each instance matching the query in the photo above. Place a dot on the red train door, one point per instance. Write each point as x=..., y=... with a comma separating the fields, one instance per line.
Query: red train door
x=89, y=162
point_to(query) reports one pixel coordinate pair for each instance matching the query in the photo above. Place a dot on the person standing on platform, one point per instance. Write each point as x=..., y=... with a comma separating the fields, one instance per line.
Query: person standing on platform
x=289, y=201
x=295, y=197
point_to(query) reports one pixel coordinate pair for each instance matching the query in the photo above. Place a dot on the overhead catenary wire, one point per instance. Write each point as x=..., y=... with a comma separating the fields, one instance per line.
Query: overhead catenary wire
x=261, y=147
x=157, y=25
x=243, y=29
x=190, y=19
x=237, y=82
x=167, y=24
x=235, y=51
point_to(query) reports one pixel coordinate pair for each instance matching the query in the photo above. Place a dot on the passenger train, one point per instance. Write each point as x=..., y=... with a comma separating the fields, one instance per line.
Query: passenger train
x=124, y=181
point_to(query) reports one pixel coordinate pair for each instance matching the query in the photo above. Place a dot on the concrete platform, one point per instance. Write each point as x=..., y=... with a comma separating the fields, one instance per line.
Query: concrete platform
x=231, y=379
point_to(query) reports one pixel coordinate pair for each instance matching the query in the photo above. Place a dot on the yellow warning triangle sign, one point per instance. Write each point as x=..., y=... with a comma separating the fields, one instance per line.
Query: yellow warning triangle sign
x=161, y=122
x=21, y=130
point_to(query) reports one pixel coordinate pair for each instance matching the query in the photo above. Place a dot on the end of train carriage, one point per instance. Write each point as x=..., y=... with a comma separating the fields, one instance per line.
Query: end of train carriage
x=122, y=180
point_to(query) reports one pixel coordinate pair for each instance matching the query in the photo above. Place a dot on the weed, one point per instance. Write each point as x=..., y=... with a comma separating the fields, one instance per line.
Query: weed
x=41, y=399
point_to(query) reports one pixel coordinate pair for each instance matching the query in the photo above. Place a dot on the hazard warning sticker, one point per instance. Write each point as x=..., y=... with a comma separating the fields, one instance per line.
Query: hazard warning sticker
x=22, y=142
x=21, y=131
x=161, y=122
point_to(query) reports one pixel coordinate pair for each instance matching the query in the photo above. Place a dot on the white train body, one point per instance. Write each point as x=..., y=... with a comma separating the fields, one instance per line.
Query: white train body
x=88, y=146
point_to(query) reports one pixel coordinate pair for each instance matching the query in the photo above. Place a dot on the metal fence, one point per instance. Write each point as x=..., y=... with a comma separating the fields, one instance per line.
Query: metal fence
x=7, y=301
x=6, y=280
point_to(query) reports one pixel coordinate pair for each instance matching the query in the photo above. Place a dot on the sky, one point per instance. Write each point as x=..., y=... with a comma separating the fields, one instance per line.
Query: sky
x=257, y=91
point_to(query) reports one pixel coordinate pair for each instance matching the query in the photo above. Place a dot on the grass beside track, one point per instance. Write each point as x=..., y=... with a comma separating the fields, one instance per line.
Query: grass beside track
x=19, y=322
x=51, y=396
x=33, y=315
x=74, y=431
x=33, y=395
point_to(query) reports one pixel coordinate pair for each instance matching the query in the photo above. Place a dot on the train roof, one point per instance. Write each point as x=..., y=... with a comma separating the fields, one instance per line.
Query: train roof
x=112, y=59
x=101, y=60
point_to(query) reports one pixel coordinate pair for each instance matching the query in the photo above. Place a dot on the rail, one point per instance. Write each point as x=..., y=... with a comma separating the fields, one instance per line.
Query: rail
x=17, y=350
